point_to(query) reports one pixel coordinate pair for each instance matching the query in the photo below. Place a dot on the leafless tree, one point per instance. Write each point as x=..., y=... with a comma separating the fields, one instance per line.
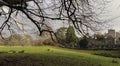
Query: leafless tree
x=79, y=13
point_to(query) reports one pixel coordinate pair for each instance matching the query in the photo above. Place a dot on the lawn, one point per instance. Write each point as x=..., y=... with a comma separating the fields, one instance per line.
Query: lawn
x=53, y=56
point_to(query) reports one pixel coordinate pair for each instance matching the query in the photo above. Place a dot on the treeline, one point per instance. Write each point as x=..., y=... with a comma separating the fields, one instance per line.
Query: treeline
x=66, y=38
x=17, y=40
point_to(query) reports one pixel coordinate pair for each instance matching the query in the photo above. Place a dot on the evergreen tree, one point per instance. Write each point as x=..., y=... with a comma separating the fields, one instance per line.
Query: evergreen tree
x=71, y=37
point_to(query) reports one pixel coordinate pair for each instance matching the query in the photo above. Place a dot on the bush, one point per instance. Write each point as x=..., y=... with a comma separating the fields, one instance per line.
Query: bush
x=38, y=42
x=14, y=40
x=114, y=61
x=83, y=43
x=18, y=40
x=50, y=42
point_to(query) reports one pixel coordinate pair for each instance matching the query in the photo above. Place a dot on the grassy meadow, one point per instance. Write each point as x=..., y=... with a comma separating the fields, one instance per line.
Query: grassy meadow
x=55, y=56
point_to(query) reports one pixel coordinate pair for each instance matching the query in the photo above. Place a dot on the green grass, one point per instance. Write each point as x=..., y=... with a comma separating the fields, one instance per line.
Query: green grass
x=53, y=56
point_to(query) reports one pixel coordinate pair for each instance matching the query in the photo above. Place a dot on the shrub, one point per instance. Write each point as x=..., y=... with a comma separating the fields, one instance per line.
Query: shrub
x=38, y=42
x=83, y=43
x=114, y=61
x=50, y=42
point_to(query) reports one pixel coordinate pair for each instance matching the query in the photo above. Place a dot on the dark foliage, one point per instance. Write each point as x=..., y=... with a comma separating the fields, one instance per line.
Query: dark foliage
x=83, y=43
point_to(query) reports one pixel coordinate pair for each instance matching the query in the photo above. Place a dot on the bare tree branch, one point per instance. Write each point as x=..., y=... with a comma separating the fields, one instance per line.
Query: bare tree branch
x=79, y=13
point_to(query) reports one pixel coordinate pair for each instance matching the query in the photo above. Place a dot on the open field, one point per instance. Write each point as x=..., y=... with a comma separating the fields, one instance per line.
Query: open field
x=54, y=56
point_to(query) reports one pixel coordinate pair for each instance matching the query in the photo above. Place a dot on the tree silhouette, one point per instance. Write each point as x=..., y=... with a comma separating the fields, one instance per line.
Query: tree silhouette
x=79, y=13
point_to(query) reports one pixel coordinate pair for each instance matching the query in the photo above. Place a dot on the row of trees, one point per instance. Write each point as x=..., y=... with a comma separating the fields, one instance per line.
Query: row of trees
x=66, y=38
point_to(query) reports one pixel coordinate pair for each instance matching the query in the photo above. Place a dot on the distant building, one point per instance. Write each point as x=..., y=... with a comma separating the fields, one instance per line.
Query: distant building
x=110, y=40
x=111, y=33
x=112, y=37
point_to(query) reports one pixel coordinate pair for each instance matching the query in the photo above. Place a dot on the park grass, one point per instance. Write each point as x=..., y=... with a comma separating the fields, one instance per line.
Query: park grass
x=53, y=56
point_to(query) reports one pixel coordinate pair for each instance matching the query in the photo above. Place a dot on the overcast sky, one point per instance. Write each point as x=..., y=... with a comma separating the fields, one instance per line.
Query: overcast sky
x=114, y=15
